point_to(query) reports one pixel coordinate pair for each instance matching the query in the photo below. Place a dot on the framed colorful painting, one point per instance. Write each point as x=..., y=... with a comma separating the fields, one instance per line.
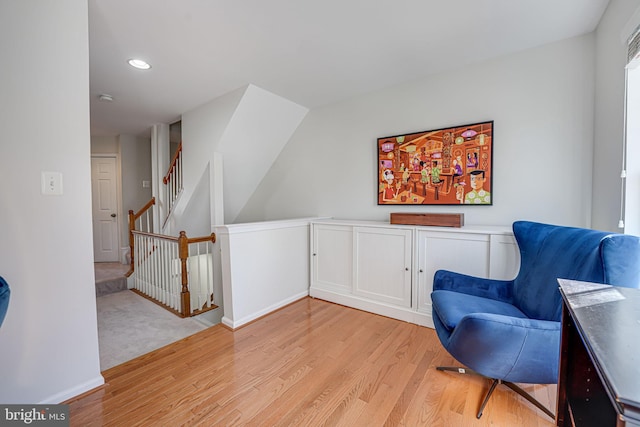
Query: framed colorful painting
x=448, y=166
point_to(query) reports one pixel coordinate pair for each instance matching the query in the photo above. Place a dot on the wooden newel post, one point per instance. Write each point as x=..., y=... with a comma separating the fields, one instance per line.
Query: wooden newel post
x=132, y=226
x=183, y=247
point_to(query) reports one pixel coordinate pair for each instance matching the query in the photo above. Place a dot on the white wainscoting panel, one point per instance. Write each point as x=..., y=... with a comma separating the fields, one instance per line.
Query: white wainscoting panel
x=265, y=266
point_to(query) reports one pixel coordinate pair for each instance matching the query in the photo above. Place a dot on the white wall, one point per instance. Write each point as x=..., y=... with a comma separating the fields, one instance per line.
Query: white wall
x=159, y=167
x=135, y=155
x=104, y=145
x=248, y=128
x=49, y=340
x=259, y=129
x=542, y=102
x=611, y=55
x=263, y=267
x=196, y=216
x=202, y=129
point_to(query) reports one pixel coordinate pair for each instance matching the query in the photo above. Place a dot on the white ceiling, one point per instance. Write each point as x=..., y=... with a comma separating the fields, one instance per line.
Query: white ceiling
x=311, y=52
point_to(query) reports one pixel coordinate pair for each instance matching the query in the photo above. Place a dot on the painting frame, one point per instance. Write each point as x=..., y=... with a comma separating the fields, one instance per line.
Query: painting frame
x=446, y=166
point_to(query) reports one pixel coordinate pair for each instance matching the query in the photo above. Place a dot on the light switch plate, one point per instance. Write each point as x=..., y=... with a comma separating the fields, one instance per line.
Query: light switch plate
x=51, y=183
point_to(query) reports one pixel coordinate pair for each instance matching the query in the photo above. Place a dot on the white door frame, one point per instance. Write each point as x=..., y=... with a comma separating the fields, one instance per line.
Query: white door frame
x=119, y=219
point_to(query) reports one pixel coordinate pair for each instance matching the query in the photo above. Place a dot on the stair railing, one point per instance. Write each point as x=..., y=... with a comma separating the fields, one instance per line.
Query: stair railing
x=139, y=221
x=175, y=272
x=173, y=180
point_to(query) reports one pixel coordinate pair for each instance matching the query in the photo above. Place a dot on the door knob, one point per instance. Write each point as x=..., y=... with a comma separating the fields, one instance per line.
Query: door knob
x=113, y=215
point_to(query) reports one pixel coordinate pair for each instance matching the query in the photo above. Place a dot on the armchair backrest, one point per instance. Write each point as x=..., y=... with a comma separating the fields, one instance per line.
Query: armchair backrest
x=549, y=252
x=621, y=260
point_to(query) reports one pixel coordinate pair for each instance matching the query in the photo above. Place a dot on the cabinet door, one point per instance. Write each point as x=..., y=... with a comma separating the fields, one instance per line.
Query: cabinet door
x=382, y=264
x=332, y=258
x=459, y=252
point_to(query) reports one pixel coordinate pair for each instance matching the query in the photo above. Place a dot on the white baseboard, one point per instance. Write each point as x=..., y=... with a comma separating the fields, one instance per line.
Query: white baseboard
x=124, y=255
x=395, y=312
x=227, y=322
x=234, y=324
x=209, y=318
x=73, y=391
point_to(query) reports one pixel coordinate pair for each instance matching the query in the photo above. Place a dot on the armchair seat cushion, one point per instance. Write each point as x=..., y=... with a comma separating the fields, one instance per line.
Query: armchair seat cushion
x=451, y=307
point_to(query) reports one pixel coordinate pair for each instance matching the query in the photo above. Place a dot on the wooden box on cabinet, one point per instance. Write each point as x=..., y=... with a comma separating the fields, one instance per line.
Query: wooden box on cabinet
x=433, y=219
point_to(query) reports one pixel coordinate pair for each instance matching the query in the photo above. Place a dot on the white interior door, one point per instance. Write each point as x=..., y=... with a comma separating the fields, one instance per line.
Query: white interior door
x=105, y=209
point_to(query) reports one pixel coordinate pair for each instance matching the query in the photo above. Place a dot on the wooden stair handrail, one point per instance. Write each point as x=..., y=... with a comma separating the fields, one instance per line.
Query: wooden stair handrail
x=157, y=236
x=203, y=239
x=183, y=252
x=143, y=210
x=133, y=216
x=172, y=165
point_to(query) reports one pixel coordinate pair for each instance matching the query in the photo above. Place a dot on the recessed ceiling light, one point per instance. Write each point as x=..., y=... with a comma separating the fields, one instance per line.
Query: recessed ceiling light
x=139, y=63
x=105, y=97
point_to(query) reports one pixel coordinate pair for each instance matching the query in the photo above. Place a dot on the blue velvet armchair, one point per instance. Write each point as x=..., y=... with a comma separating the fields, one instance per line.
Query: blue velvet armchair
x=509, y=330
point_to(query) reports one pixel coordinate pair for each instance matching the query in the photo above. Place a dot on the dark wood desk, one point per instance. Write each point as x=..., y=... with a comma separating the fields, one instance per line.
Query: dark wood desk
x=599, y=380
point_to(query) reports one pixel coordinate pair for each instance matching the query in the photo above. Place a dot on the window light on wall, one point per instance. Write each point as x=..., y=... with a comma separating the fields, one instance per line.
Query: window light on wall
x=633, y=61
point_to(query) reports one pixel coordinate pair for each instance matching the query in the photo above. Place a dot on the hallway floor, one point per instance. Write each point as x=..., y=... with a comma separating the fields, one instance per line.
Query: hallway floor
x=130, y=325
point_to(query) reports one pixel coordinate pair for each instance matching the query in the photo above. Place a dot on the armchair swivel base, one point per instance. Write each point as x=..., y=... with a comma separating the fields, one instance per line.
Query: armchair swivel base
x=494, y=384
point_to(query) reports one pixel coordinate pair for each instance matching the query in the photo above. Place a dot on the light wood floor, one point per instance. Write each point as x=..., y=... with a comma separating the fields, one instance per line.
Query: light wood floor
x=312, y=363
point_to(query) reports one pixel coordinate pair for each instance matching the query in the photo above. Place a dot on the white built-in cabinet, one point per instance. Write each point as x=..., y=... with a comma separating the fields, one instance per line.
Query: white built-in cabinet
x=382, y=264
x=332, y=257
x=388, y=269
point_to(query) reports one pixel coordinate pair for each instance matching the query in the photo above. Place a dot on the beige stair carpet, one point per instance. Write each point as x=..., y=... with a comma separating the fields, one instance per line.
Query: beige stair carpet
x=130, y=326
x=110, y=277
